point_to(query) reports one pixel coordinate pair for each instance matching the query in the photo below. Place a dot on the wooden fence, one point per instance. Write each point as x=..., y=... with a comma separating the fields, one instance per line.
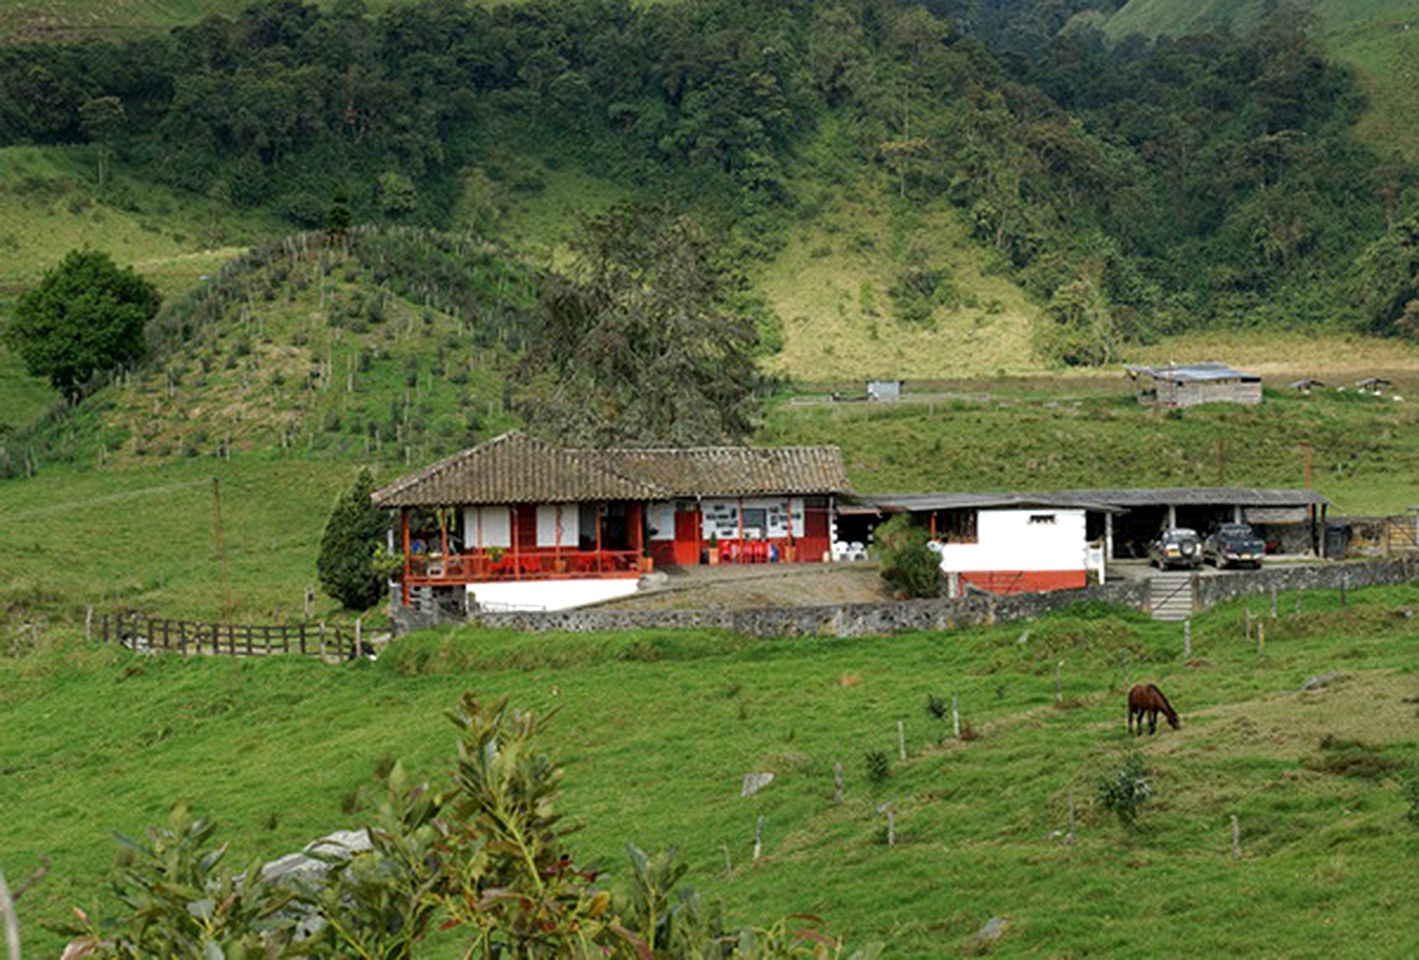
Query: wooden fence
x=186, y=637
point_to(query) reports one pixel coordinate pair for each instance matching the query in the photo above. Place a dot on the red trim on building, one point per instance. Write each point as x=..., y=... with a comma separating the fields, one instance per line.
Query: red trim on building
x=1026, y=581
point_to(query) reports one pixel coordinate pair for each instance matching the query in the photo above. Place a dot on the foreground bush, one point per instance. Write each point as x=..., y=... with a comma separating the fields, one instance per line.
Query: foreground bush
x=485, y=855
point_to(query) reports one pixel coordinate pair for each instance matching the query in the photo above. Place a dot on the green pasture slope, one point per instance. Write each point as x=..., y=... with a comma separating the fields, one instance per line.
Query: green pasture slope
x=656, y=730
x=1365, y=450
x=1378, y=38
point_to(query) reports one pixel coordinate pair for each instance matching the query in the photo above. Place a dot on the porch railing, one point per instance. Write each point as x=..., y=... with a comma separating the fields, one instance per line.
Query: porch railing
x=488, y=565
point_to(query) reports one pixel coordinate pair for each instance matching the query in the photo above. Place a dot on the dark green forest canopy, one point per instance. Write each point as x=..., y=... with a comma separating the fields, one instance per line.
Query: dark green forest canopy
x=1210, y=179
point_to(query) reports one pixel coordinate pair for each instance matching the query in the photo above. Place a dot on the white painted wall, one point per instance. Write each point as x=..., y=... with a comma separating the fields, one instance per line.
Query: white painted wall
x=549, y=516
x=1009, y=541
x=661, y=517
x=550, y=594
x=486, y=527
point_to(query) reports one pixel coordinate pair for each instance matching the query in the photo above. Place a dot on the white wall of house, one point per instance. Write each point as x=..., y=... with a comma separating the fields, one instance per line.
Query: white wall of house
x=719, y=517
x=486, y=527
x=550, y=594
x=558, y=524
x=1038, y=539
x=661, y=518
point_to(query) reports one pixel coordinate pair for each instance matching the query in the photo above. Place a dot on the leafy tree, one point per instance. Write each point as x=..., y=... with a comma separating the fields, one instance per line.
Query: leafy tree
x=102, y=118
x=1077, y=327
x=906, y=563
x=338, y=218
x=353, y=534
x=397, y=194
x=1388, y=279
x=636, y=344
x=86, y=315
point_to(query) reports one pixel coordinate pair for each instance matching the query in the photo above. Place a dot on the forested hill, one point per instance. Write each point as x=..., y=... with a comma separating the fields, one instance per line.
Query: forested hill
x=1132, y=188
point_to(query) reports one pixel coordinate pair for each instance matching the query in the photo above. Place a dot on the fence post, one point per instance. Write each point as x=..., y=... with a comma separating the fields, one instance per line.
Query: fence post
x=1248, y=623
x=89, y=622
x=1261, y=637
x=1187, y=639
x=838, y=781
x=759, y=837
x=955, y=717
x=216, y=639
x=359, y=650
x=1297, y=610
x=1273, y=601
x=1236, y=838
x=902, y=740
x=1058, y=689
x=182, y=638
x=1069, y=837
x=300, y=636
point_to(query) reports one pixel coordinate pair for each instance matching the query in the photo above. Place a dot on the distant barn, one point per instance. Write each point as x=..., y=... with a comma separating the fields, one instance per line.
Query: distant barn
x=1193, y=384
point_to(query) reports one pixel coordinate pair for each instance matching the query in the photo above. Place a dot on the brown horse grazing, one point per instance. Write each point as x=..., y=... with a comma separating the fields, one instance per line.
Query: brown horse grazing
x=1146, y=698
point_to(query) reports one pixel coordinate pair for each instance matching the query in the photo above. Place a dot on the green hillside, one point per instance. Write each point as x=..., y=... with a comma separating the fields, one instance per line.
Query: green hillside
x=1378, y=38
x=657, y=730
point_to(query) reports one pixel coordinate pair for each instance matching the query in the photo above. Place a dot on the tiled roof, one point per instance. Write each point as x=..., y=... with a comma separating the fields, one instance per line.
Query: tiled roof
x=516, y=468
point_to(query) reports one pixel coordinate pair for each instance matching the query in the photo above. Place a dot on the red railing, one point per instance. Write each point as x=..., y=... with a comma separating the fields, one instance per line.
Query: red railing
x=487, y=565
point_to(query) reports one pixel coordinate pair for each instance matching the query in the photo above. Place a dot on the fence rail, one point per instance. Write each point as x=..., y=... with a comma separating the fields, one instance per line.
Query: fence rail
x=138, y=632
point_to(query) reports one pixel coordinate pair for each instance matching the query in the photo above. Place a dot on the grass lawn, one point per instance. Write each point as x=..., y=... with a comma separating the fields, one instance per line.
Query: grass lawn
x=1365, y=450
x=657, y=729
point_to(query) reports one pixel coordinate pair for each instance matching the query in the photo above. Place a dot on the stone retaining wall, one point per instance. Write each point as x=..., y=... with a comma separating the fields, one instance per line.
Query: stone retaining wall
x=1209, y=591
x=841, y=620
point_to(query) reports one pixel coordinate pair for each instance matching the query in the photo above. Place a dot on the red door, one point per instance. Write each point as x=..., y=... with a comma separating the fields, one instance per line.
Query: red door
x=687, y=537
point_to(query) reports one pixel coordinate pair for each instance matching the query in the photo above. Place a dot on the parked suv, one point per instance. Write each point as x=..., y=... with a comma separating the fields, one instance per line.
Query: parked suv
x=1179, y=547
x=1232, y=544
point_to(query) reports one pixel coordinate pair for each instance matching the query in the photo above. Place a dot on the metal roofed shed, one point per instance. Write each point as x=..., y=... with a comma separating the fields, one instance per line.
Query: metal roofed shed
x=1189, y=385
x=884, y=391
x=1127, y=519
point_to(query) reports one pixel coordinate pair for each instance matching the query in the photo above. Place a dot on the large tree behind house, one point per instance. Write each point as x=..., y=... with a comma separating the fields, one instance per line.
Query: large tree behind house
x=635, y=344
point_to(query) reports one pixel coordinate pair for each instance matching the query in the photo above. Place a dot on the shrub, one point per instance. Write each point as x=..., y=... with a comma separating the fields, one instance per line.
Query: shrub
x=878, y=766
x=907, y=564
x=1411, y=792
x=1124, y=791
x=353, y=533
x=935, y=707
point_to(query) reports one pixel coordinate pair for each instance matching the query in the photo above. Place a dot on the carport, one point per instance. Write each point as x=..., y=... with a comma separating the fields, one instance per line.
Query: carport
x=1289, y=519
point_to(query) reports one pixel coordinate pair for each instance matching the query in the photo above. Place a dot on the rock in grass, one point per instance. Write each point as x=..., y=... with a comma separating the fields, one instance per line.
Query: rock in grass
x=754, y=782
x=984, y=939
x=1321, y=680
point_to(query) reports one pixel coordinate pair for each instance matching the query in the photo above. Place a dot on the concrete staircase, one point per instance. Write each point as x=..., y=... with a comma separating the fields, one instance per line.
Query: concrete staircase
x=1170, y=595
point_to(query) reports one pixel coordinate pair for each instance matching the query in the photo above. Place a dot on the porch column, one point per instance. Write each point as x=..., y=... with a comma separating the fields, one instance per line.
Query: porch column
x=599, y=567
x=636, y=516
x=513, y=517
x=1172, y=516
x=1236, y=513
x=1324, y=550
x=1108, y=537
x=408, y=564
x=443, y=536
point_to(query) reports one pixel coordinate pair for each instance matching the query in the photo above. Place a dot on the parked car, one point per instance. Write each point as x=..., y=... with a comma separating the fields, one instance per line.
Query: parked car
x=1232, y=544
x=1179, y=547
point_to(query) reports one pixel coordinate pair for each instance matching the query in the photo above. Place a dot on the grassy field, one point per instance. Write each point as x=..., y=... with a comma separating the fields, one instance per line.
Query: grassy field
x=831, y=286
x=1376, y=37
x=1365, y=451
x=656, y=731
x=31, y=20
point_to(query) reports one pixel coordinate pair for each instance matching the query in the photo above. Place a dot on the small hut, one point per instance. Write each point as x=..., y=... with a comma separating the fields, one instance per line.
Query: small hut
x=1191, y=384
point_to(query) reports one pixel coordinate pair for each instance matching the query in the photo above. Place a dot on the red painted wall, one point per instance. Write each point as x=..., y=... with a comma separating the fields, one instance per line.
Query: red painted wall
x=1027, y=581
